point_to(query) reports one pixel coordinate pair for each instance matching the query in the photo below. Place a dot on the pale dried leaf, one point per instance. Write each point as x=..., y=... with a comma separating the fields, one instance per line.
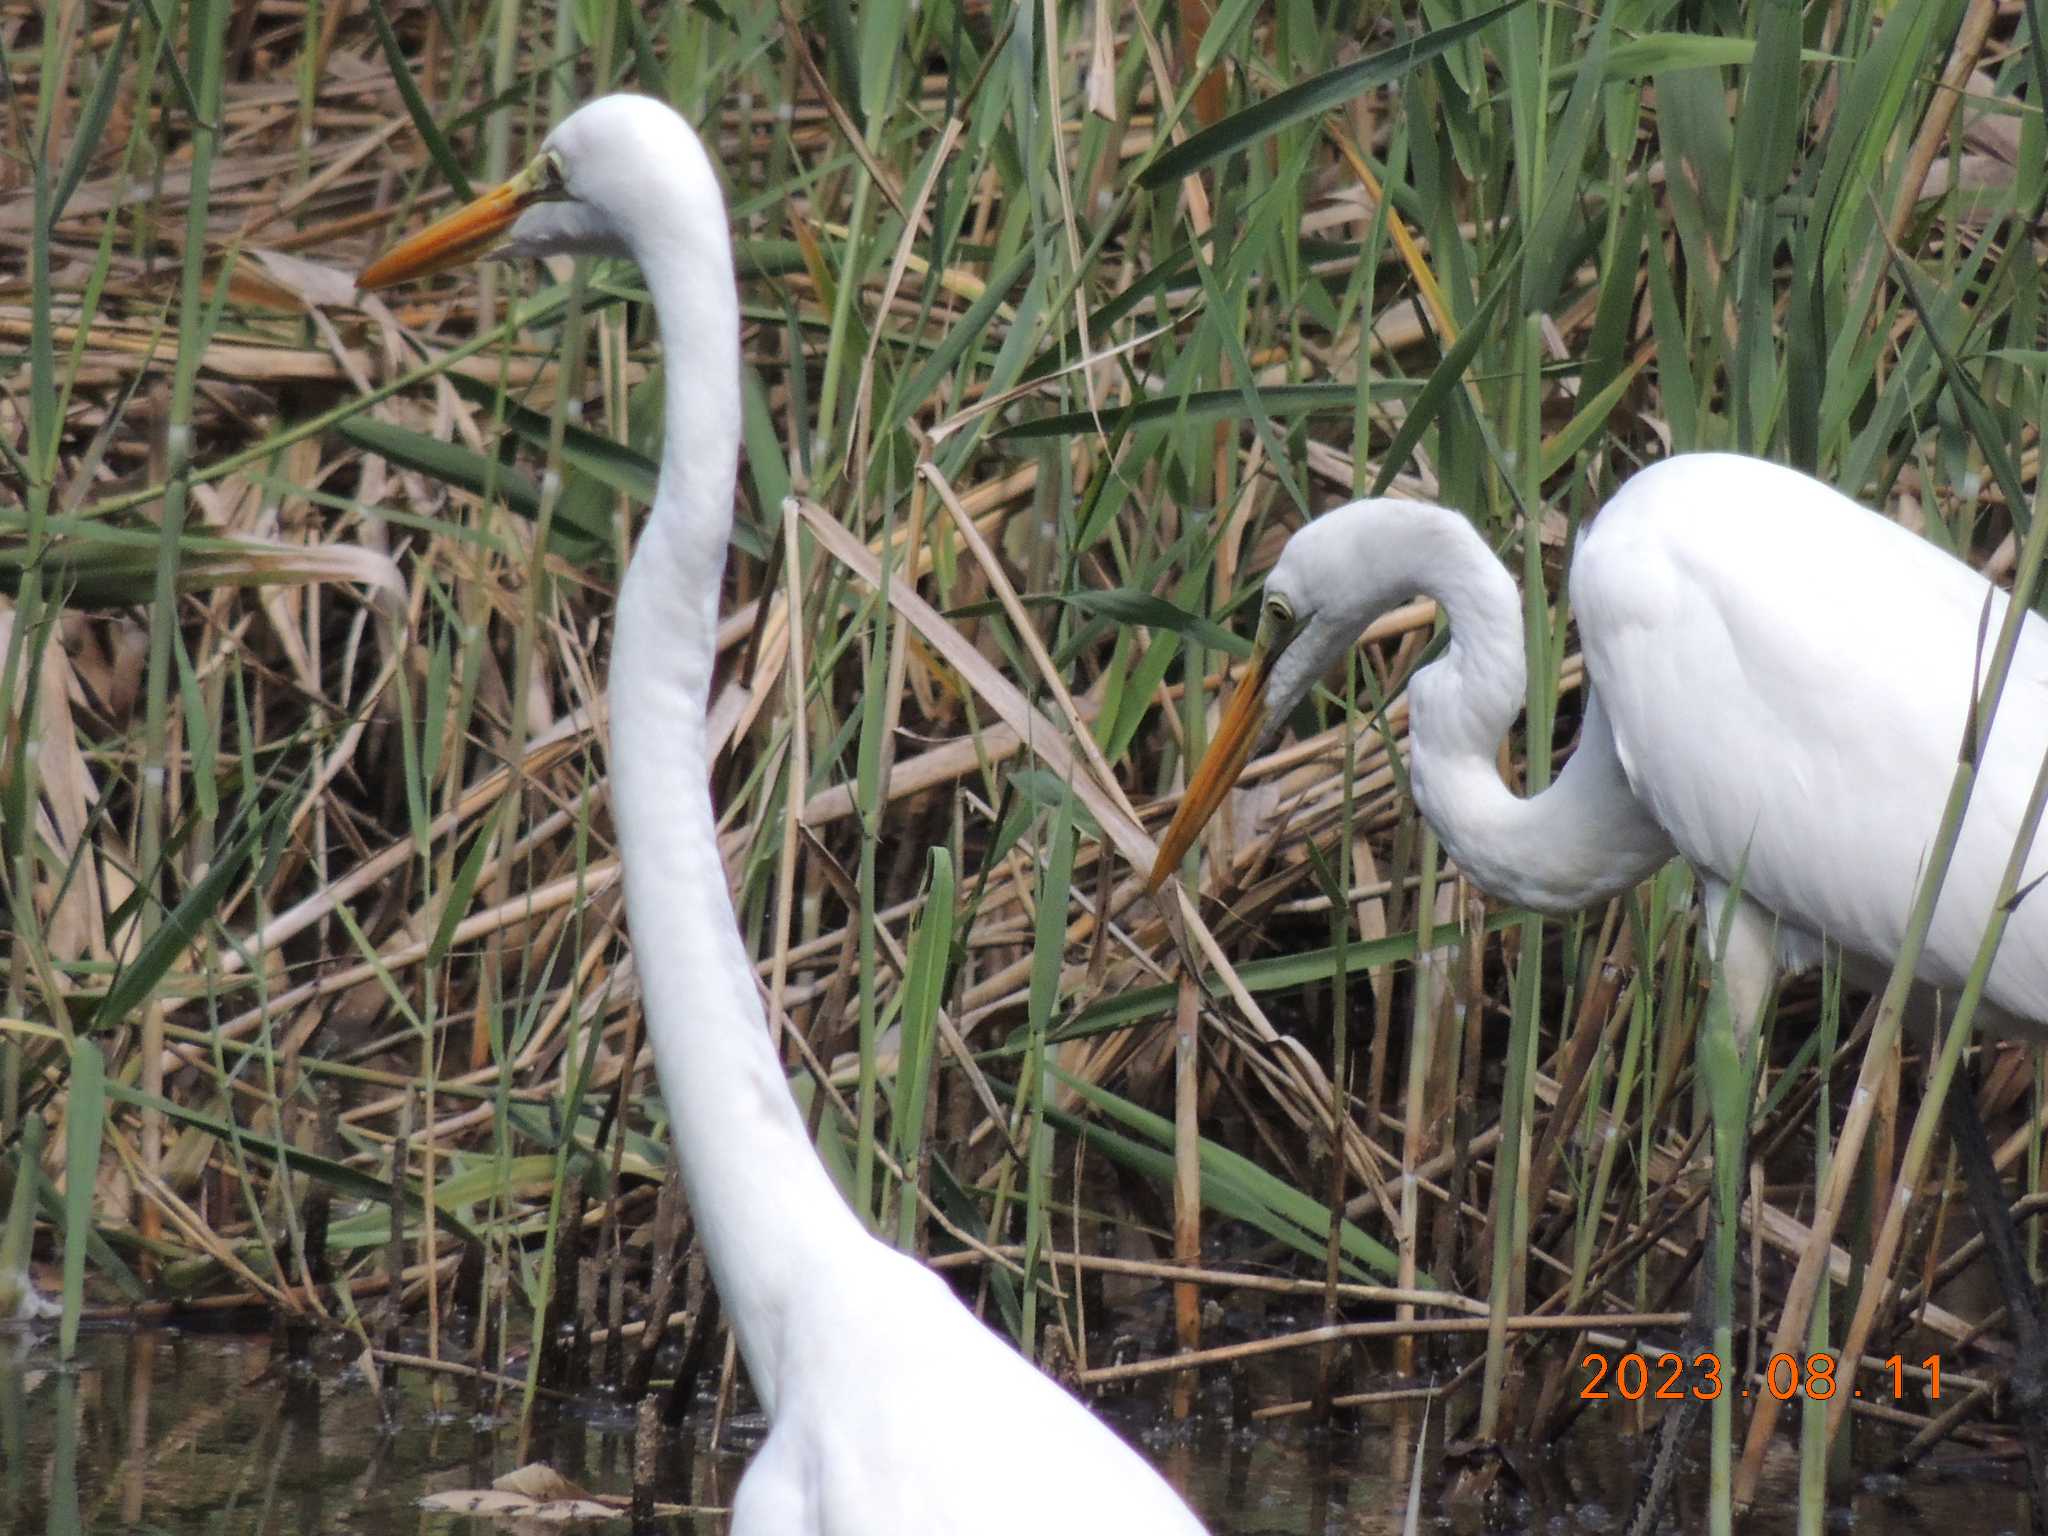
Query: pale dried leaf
x=494, y=1505
x=538, y=1480
x=313, y=282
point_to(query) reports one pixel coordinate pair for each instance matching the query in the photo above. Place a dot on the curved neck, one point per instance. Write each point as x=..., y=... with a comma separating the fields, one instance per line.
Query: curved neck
x=1581, y=840
x=769, y=1216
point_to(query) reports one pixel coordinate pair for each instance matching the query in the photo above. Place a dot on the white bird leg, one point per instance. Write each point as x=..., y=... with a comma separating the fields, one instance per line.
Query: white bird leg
x=1742, y=945
x=1742, y=941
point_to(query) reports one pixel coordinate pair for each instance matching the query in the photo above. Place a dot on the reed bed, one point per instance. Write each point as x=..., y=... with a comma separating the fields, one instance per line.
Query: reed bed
x=1058, y=319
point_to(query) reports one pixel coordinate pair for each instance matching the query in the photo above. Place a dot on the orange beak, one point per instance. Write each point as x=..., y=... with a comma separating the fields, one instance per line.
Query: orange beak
x=1244, y=720
x=460, y=237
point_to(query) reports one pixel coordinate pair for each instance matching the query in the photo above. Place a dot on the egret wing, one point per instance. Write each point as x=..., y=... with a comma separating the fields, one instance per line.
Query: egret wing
x=1788, y=677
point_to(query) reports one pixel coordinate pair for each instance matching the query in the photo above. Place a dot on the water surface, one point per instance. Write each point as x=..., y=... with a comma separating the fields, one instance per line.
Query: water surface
x=193, y=1434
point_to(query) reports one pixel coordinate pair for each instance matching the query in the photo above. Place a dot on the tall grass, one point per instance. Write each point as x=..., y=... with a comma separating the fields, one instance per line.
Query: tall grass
x=303, y=769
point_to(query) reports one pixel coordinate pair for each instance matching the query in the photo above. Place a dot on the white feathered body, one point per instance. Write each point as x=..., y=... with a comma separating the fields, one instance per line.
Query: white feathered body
x=1788, y=677
x=909, y=1416
x=893, y=1410
x=1779, y=683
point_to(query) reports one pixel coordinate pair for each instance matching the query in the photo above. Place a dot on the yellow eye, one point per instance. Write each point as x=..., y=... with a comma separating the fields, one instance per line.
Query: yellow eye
x=1280, y=613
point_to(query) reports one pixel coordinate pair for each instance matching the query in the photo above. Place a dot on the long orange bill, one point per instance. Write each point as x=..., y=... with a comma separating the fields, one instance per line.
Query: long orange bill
x=460, y=237
x=1243, y=722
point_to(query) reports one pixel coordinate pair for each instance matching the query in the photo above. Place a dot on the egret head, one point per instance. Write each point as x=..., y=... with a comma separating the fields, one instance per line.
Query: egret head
x=1322, y=591
x=613, y=177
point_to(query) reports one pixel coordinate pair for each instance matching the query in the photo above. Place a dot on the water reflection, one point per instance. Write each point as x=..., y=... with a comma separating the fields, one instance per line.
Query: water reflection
x=211, y=1435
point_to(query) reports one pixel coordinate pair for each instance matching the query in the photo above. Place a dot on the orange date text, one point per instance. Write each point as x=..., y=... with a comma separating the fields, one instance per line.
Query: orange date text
x=1670, y=1377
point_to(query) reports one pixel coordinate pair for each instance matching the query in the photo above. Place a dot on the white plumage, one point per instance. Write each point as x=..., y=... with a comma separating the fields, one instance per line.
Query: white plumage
x=893, y=1410
x=1788, y=677
x=1778, y=685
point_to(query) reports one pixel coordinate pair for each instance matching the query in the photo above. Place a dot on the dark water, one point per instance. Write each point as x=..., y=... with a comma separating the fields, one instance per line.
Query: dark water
x=209, y=1435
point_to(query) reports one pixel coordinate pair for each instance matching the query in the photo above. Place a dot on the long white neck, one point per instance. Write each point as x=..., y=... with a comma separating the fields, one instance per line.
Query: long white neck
x=1583, y=839
x=769, y=1216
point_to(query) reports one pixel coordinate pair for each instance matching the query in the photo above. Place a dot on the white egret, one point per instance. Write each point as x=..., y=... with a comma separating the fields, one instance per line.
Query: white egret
x=1778, y=684
x=893, y=1410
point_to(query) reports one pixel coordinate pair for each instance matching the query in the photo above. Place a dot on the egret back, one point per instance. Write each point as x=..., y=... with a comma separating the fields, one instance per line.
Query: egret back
x=1788, y=676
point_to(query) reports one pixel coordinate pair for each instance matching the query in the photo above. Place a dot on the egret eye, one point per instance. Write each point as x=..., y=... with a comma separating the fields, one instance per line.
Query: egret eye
x=1280, y=614
x=554, y=181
